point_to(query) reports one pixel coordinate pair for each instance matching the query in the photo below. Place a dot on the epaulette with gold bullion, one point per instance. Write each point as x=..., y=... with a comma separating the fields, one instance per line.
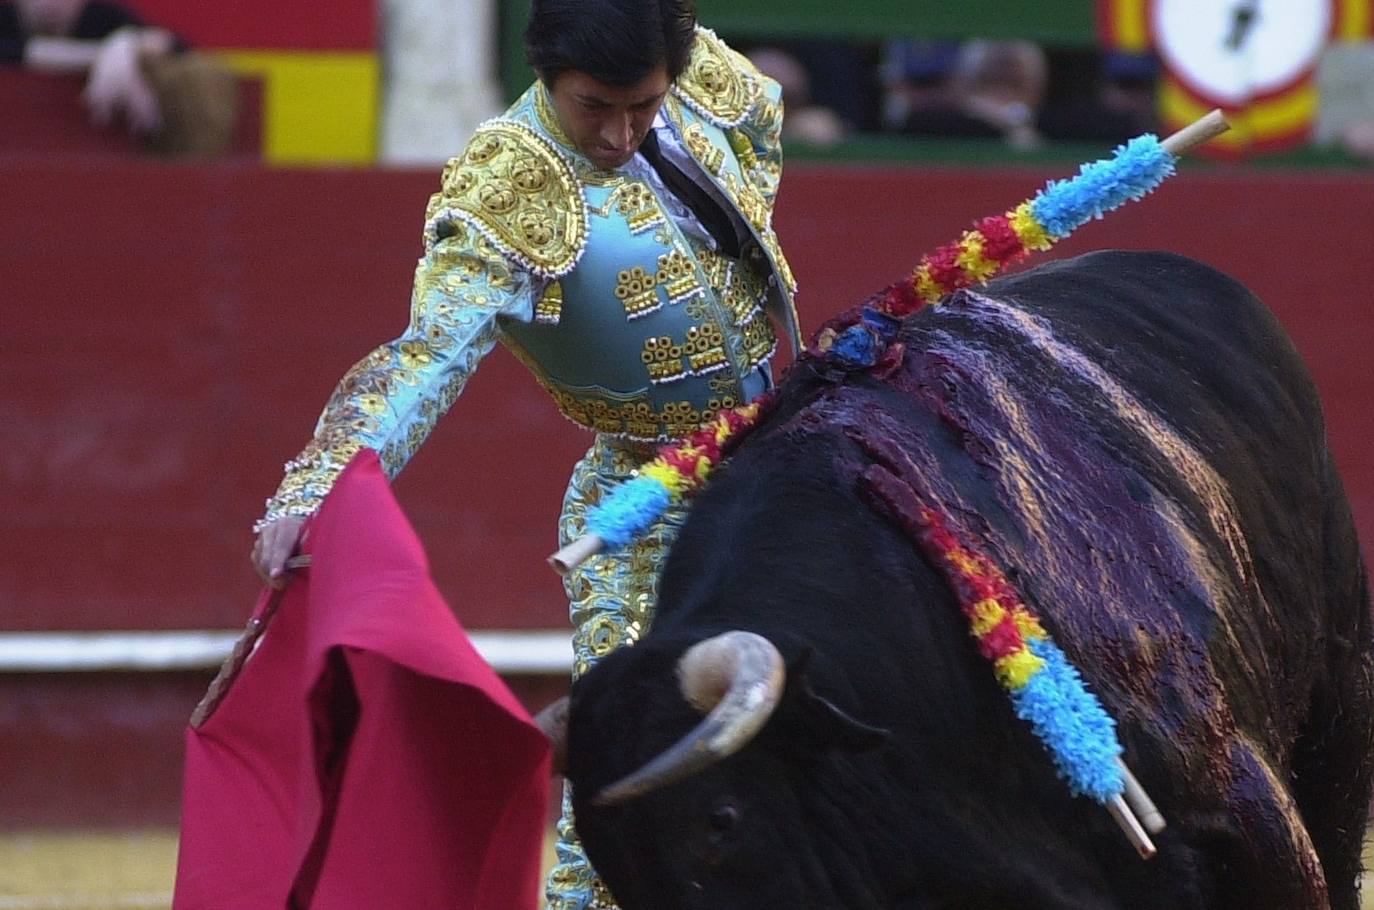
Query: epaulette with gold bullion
x=513, y=186
x=718, y=83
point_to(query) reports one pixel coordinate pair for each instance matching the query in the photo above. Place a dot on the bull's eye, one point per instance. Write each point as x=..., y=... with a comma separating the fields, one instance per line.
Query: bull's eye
x=716, y=832
x=724, y=818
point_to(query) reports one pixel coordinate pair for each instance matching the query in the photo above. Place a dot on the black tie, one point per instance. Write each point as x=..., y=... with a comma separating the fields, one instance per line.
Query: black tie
x=708, y=212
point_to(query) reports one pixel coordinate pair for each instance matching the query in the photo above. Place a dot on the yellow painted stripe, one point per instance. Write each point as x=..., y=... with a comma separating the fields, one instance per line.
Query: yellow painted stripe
x=1287, y=113
x=318, y=107
x=1282, y=115
x=1130, y=22
x=1178, y=108
x=1355, y=20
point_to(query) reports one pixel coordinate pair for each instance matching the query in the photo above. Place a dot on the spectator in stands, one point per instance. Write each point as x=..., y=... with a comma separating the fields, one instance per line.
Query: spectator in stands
x=994, y=89
x=803, y=120
x=102, y=39
x=1121, y=106
x=1345, y=86
x=913, y=76
x=1357, y=139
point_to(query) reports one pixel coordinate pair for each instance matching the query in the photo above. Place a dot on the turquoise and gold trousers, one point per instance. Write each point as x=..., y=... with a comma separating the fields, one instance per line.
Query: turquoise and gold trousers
x=612, y=598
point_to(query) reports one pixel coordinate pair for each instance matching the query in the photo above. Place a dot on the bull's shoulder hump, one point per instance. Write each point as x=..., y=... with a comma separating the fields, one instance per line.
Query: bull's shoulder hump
x=1158, y=268
x=1179, y=293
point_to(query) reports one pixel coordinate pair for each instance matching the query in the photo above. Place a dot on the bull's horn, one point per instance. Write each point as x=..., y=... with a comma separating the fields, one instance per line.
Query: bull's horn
x=737, y=677
x=553, y=721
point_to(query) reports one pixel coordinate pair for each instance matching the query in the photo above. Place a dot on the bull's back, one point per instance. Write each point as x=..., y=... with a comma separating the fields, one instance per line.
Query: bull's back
x=1158, y=417
x=1188, y=340
x=1159, y=449
x=1229, y=423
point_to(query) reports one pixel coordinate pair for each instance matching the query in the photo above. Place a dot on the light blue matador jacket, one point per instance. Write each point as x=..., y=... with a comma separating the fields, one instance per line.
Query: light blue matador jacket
x=623, y=309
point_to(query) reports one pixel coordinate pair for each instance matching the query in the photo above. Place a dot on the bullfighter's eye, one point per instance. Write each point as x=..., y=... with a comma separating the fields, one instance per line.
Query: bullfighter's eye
x=724, y=818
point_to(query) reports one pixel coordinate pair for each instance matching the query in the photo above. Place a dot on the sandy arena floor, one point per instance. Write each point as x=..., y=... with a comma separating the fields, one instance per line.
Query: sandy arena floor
x=130, y=870
x=120, y=870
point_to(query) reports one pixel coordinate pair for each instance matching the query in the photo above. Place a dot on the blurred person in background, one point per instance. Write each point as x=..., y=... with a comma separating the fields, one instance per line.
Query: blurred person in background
x=104, y=40
x=1121, y=105
x=613, y=230
x=1130, y=88
x=1357, y=139
x=992, y=90
x=913, y=76
x=1345, y=108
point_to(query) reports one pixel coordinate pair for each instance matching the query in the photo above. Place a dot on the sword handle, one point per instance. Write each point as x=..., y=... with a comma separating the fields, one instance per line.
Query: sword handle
x=242, y=650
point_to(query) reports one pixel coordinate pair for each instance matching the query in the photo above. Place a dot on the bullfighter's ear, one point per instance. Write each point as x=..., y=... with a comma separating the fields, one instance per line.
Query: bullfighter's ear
x=823, y=719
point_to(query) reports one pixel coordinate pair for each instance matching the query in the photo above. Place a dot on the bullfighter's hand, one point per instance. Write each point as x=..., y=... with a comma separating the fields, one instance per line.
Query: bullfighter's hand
x=276, y=543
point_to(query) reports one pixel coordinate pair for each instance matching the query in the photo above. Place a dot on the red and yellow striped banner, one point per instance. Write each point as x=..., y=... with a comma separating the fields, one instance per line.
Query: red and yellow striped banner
x=1272, y=117
x=318, y=65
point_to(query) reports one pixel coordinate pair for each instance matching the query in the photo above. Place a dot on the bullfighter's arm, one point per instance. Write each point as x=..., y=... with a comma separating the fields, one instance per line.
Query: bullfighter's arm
x=392, y=398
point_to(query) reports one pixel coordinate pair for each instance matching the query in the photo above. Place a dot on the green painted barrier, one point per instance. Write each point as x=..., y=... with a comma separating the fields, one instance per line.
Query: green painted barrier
x=1061, y=23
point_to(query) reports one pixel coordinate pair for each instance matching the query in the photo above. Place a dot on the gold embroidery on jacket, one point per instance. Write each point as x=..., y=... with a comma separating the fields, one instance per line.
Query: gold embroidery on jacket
x=716, y=83
x=700, y=353
x=704, y=348
x=548, y=117
x=637, y=290
x=701, y=148
x=678, y=276
x=743, y=149
x=637, y=419
x=640, y=207
x=514, y=187
x=549, y=309
x=663, y=360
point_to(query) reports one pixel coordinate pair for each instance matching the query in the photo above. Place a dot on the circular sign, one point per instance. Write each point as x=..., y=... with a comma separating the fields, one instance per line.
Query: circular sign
x=1231, y=52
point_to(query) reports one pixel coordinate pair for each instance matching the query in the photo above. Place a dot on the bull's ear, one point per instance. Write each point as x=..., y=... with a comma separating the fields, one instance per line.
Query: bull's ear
x=823, y=720
x=841, y=731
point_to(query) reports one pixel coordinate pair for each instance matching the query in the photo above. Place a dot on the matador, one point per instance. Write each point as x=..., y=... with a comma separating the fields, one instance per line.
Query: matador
x=613, y=229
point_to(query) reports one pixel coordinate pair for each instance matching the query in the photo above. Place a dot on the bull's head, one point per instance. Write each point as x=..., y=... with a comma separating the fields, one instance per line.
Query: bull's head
x=674, y=819
x=736, y=679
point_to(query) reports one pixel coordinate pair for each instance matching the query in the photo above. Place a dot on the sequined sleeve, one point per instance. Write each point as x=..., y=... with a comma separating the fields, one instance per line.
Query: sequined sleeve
x=391, y=399
x=757, y=141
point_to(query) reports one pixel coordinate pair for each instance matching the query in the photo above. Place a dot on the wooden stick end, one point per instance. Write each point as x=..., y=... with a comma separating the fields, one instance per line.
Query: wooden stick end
x=1140, y=802
x=1131, y=827
x=1199, y=132
x=576, y=553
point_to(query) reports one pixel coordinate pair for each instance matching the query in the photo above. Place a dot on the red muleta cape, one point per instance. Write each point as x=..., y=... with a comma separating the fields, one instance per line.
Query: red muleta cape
x=366, y=756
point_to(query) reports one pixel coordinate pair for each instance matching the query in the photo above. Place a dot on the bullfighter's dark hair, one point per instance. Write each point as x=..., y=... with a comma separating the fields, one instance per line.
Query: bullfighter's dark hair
x=618, y=42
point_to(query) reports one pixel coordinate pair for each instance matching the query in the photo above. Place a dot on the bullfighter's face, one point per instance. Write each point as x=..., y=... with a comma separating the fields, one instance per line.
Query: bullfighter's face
x=607, y=123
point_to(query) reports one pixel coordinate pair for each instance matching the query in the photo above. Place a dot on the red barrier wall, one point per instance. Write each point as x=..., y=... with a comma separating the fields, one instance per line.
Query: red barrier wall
x=347, y=24
x=44, y=115
x=169, y=333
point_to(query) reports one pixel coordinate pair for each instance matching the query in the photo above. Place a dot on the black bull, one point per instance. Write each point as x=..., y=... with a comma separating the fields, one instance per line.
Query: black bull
x=1135, y=441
